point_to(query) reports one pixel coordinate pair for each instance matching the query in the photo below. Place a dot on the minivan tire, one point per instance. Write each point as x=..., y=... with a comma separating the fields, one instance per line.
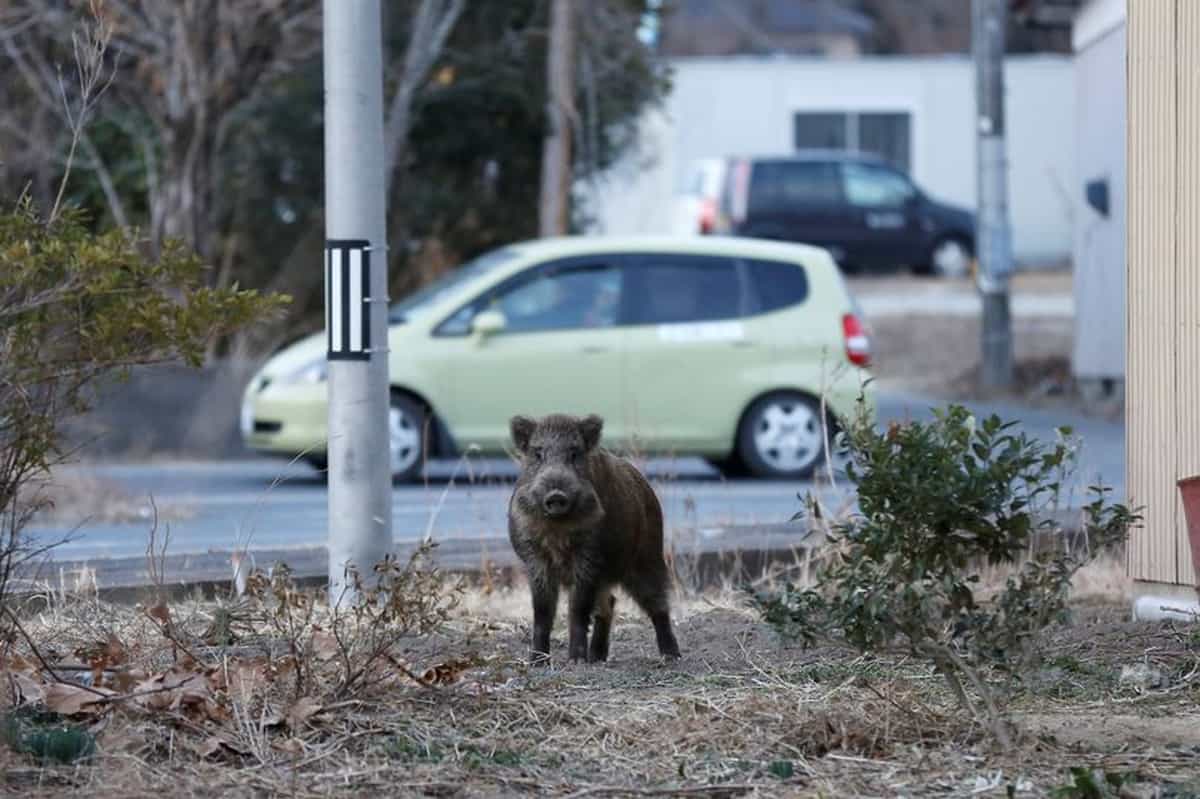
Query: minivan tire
x=936, y=264
x=408, y=416
x=781, y=436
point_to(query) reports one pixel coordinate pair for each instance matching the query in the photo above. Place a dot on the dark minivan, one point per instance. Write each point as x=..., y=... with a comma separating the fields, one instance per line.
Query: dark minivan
x=869, y=215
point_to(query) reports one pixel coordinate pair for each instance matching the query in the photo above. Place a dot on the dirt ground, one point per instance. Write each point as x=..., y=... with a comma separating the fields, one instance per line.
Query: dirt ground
x=744, y=713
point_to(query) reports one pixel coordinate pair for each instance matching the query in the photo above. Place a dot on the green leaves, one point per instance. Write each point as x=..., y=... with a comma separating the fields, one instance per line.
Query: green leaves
x=77, y=308
x=941, y=501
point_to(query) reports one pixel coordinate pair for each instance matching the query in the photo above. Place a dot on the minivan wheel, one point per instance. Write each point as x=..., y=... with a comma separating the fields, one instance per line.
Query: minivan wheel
x=731, y=467
x=406, y=438
x=950, y=257
x=781, y=436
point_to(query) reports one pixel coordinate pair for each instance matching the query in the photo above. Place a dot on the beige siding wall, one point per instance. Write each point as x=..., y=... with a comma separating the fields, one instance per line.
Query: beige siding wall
x=1163, y=350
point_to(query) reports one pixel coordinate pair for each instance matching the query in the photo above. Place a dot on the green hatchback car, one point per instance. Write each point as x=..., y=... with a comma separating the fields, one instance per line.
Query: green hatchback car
x=718, y=347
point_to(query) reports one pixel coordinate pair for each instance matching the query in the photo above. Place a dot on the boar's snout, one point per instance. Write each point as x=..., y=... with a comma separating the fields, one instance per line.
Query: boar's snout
x=556, y=503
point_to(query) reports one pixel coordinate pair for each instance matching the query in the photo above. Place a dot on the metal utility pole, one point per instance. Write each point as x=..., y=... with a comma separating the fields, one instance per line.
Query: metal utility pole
x=360, y=480
x=994, y=236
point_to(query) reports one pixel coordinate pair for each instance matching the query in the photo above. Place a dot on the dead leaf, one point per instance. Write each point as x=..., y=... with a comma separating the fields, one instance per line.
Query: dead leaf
x=290, y=746
x=246, y=678
x=125, y=681
x=161, y=613
x=29, y=690
x=216, y=746
x=301, y=711
x=448, y=672
x=70, y=700
x=101, y=655
x=173, y=690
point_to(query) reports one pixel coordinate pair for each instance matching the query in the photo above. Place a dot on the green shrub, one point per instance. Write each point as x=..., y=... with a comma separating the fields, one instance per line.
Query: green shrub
x=938, y=503
x=77, y=308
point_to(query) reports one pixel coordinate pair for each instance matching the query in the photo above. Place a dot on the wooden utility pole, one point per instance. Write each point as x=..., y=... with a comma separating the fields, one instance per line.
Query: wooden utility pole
x=994, y=239
x=555, y=206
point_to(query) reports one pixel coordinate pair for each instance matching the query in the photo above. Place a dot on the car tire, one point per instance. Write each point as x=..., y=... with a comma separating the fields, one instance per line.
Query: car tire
x=407, y=423
x=949, y=257
x=781, y=436
x=407, y=428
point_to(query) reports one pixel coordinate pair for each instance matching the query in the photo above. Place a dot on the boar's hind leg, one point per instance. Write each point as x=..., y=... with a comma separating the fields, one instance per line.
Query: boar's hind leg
x=651, y=595
x=545, y=603
x=605, y=603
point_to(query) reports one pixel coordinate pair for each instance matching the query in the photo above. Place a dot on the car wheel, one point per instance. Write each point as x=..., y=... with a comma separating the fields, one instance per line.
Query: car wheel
x=950, y=257
x=406, y=438
x=781, y=436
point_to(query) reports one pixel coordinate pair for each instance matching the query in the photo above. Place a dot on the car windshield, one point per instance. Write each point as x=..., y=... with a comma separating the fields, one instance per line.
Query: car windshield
x=428, y=295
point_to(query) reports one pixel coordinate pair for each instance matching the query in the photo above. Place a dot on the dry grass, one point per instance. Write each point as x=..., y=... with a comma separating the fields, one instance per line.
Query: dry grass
x=742, y=714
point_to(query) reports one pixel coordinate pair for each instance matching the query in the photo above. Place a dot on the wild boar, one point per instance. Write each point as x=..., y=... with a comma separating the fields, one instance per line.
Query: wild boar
x=583, y=519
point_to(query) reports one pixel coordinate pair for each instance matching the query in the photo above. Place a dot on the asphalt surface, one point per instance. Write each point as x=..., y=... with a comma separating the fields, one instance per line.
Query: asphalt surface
x=270, y=506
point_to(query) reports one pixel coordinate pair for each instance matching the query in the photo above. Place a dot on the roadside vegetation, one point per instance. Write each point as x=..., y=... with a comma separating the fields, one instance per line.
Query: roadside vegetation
x=946, y=648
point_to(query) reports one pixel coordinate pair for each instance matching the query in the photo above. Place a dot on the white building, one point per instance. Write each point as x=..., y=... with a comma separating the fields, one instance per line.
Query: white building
x=1098, y=39
x=918, y=111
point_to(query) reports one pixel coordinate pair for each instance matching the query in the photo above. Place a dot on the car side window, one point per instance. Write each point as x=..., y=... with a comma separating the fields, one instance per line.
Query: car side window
x=563, y=298
x=784, y=185
x=777, y=284
x=870, y=186
x=663, y=289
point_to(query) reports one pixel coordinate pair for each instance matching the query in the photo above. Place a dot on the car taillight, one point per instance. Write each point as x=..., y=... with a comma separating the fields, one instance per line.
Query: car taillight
x=858, y=343
x=708, y=216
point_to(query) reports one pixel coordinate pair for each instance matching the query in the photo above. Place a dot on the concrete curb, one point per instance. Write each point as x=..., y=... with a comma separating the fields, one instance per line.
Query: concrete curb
x=711, y=556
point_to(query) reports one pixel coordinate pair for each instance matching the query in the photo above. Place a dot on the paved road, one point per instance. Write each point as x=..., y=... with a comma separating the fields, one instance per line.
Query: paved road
x=274, y=506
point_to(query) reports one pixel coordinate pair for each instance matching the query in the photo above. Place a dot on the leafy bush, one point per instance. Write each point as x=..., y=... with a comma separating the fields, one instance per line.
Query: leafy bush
x=938, y=502
x=77, y=308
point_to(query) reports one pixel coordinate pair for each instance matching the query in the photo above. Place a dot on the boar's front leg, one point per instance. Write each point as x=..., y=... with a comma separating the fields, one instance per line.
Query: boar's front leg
x=583, y=602
x=545, y=602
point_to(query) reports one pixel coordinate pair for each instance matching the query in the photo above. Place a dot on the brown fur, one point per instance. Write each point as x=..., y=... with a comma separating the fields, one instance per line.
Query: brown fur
x=582, y=519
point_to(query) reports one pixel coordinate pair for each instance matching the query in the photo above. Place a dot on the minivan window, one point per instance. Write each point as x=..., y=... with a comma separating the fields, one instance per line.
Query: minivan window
x=782, y=185
x=667, y=289
x=777, y=285
x=441, y=287
x=871, y=186
x=584, y=296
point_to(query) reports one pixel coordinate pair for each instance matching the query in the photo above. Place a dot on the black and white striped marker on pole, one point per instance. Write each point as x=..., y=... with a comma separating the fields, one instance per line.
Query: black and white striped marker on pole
x=347, y=299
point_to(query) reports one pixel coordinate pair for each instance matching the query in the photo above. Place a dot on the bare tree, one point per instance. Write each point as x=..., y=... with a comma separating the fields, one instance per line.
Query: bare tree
x=561, y=120
x=184, y=70
x=431, y=27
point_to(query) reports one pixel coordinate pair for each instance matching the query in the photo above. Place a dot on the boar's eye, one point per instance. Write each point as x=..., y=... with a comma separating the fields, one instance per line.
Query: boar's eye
x=536, y=453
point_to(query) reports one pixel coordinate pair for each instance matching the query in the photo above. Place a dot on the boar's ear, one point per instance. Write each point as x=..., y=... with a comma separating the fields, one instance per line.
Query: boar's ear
x=521, y=428
x=590, y=428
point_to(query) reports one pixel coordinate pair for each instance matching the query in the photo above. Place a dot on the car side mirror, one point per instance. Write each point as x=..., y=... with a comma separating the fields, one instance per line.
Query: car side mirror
x=1096, y=192
x=488, y=323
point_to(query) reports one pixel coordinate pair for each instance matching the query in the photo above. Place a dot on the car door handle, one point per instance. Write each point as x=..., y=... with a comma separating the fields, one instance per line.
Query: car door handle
x=593, y=349
x=745, y=342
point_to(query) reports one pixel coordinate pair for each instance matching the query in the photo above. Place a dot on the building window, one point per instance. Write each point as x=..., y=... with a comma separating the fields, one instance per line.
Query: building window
x=887, y=134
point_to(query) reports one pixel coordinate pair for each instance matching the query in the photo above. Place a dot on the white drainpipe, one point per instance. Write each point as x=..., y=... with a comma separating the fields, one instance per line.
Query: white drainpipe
x=1152, y=608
